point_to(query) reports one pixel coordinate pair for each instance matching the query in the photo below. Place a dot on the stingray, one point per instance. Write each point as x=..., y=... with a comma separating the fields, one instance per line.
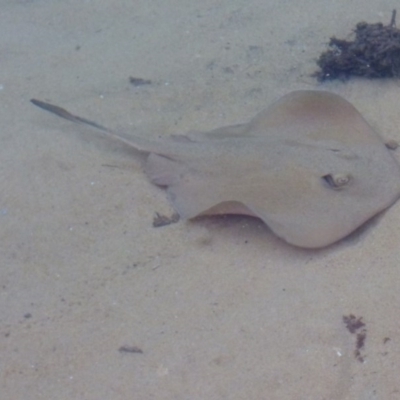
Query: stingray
x=309, y=166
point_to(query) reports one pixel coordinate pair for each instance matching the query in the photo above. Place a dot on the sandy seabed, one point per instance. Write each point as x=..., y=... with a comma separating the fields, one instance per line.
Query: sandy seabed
x=98, y=304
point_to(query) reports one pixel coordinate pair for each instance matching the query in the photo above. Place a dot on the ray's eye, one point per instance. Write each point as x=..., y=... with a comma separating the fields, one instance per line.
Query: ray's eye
x=337, y=181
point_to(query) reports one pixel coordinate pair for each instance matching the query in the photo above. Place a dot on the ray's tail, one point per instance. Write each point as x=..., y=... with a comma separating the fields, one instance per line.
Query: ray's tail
x=137, y=143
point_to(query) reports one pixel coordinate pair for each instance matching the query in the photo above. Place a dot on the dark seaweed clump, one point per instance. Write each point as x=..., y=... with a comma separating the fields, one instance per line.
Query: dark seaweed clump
x=374, y=53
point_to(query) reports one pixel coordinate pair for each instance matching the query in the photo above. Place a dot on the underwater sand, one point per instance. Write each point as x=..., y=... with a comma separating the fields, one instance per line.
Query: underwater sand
x=96, y=303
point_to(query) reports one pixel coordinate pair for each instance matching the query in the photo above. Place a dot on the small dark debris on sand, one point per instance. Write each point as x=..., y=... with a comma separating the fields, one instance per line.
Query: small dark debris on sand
x=357, y=327
x=130, y=349
x=374, y=53
x=139, y=81
x=163, y=220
